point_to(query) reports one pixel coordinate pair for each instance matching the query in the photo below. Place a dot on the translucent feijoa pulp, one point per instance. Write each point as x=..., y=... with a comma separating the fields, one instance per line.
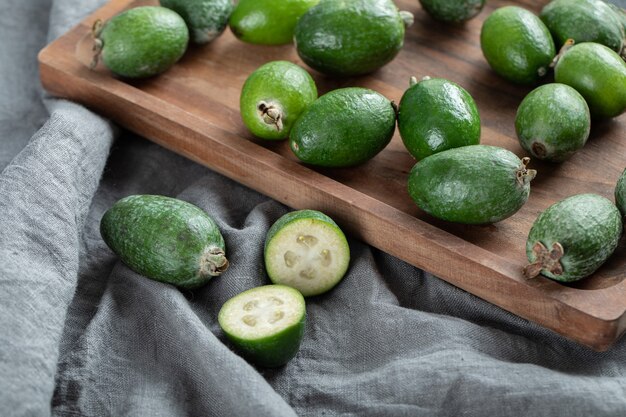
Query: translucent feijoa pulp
x=206, y=19
x=274, y=96
x=306, y=250
x=265, y=324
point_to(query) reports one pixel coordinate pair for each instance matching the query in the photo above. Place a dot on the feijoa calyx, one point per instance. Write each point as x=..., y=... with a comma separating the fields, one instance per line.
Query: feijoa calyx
x=350, y=38
x=165, y=239
x=206, y=19
x=572, y=238
x=477, y=184
x=140, y=42
x=344, y=127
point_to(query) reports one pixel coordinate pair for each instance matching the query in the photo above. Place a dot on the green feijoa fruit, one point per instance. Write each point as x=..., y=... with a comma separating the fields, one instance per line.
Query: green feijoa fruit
x=274, y=96
x=436, y=114
x=165, y=239
x=206, y=19
x=476, y=184
x=306, y=250
x=517, y=45
x=452, y=10
x=141, y=42
x=553, y=122
x=597, y=73
x=268, y=22
x=344, y=127
x=265, y=324
x=351, y=37
x=584, y=21
x=620, y=193
x=572, y=238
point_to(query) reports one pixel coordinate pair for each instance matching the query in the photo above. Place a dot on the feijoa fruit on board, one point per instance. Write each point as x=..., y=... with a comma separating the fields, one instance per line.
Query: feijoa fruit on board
x=572, y=238
x=141, y=42
x=620, y=193
x=206, y=19
x=476, y=184
x=165, y=239
x=306, y=250
x=453, y=11
x=265, y=324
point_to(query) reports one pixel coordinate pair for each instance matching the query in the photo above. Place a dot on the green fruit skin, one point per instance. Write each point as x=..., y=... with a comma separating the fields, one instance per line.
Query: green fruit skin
x=287, y=85
x=553, y=122
x=620, y=193
x=344, y=127
x=268, y=22
x=206, y=19
x=275, y=350
x=517, y=45
x=588, y=227
x=298, y=215
x=474, y=184
x=452, y=10
x=144, y=41
x=349, y=38
x=598, y=74
x=436, y=114
x=162, y=238
x=584, y=21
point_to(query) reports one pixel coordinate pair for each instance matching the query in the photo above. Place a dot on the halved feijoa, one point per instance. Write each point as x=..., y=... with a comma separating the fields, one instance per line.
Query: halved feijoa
x=553, y=122
x=306, y=250
x=517, y=45
x=476, y=184
x=620, y=193
x=274, y=96
x=573, y=237
x=436, y=114
x=344, y=127
x=452, y=10
x=165, y=239
x=206, y=19
x=265, y=324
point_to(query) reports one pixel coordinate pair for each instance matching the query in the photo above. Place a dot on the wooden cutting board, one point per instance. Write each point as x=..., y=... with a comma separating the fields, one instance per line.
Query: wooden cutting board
x=193, y=109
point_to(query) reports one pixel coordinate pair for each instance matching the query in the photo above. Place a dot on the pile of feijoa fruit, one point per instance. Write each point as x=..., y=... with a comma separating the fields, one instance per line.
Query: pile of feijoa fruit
x=455, y=178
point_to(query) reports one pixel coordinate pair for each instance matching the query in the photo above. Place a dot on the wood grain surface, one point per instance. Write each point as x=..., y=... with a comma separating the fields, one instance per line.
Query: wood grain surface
x=193, y=109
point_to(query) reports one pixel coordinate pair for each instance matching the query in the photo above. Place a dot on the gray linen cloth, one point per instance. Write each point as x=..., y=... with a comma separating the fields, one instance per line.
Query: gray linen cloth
x=82, y=335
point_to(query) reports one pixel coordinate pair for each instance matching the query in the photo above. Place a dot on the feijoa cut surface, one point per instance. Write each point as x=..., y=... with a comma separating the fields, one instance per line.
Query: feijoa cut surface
x=349, y=38
x=453, y=11
x=598, y=73
x=572, y=238
x=206, y=19
x=517, y=45
x=344, y=127
x=306, y=250
x=265, y=324
x=553, y=122
x=436, y=114
x=141, y=42
x=274, y=96
x=477, y=184
x=268, y=22
x=165, y=239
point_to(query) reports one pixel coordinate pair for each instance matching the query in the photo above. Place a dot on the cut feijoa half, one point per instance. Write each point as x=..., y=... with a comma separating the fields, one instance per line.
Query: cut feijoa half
x=265, y=324
x=572, y=238
x=306, y=250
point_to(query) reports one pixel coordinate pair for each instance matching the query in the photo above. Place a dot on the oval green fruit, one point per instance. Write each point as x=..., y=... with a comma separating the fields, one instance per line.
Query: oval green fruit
x=517, y=45
x=572, y=238
x=584, y=21
x=436, y=114
x=142, y=42
x=274, y=96
x=477, y=184
x=598, y=74
x=344, y=127
x=553, y=122
x=206, y=19
x=620, y=193
x=268, y=22
x=165, y=239
x=306, y=250
x=265, y=324
x=452, y=10
x=350, y=37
